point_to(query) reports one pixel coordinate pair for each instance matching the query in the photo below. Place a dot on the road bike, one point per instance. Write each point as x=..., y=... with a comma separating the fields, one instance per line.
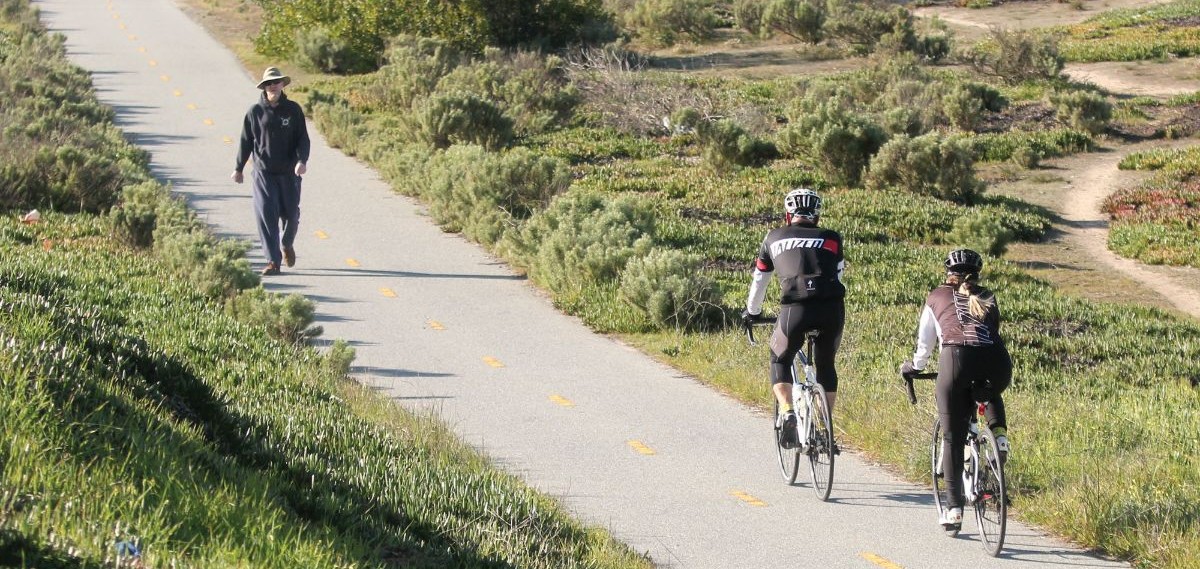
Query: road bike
x=983, y=475
x=814, y=425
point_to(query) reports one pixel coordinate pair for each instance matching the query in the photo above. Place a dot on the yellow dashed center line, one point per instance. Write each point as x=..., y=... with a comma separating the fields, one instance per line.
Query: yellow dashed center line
x=122, y=26
x=227, y=140
x=489, y=360
x=116, y=16
x=748, y=499
x=132, y=37
x=153, y=63
x=142, y=49
x=436, y=325
x=879, y=560
x=192, y=106
x=641, y=448
x=209, y=122
x=559, y=399
x=387, y=292
x=165, y=78
x=352, y=262
x=321, y=235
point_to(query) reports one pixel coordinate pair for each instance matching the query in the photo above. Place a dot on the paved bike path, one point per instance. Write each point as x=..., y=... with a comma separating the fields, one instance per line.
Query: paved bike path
x=669, y=466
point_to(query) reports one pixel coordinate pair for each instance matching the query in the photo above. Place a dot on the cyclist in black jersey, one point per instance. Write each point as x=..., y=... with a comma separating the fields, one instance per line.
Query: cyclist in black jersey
x=808, y=261
x=963, y=319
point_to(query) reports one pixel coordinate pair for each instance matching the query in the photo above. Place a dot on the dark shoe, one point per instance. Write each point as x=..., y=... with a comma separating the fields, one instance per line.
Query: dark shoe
x=289, y=256
x=788, y=437
x=270, y=269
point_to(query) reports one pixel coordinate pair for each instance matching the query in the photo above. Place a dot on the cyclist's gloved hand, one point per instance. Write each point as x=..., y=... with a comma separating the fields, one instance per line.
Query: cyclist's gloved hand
x=906, y=370
x=981, y=393
x=748, y=318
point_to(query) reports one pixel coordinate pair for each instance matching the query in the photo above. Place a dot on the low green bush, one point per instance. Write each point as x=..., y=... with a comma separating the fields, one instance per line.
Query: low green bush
x=580, y=238
x=842, y=141
x=669, y=287
x=802, y=20
x=1017, y=56
x=666, y=22
x=982, y=232
x=460, y=117
x=287, y=318
x=932, y=164
x=136, y=216
x=318, y=50
x=1082, y=110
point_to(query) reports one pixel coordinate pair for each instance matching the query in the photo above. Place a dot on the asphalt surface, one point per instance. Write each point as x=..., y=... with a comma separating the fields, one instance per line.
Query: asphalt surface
x=671, y=467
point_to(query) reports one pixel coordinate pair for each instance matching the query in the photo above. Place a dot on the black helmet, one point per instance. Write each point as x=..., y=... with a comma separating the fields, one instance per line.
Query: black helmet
x=964, y=261
x=803, y=202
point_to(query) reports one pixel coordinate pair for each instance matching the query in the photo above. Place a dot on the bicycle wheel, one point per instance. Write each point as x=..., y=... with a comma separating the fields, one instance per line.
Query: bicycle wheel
x=820, y=442
x=940, y=498
x=789, y=459
x=991, y=495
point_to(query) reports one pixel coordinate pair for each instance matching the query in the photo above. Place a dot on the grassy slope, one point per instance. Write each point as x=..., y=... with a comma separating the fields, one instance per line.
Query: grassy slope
x=126, y=417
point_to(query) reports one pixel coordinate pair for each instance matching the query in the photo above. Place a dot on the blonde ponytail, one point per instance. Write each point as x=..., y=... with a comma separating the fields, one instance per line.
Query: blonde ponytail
x=979, y=300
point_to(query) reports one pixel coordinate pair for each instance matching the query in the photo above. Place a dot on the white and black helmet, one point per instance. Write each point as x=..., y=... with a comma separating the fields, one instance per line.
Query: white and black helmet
x=803, y=202
x=964, y=261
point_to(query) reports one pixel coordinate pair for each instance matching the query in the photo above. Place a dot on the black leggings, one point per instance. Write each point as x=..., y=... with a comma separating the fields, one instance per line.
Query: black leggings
x=828, y=316
x=967, y=375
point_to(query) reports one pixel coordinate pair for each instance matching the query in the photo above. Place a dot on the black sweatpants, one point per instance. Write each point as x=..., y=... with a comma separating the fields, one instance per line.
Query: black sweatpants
x=966, y=375
x=828, y=316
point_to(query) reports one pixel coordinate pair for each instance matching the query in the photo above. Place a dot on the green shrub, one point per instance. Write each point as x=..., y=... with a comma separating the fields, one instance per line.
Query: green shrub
x=286, y=318
x=136, y=216
x=461, y=118
x=803, y=20
x=865, y=25
x=726, y=144
x=218, y=269
x=931, y=165
x=982, y=232
x=318, y=50
x=482, y=194
x=667, y=285
x=666, y=22
x=748, y=14
x=1003, y=146
x=581, y=238
x=1017, y=56
x=530, y=88
x=1083, y=110
x=841, y=140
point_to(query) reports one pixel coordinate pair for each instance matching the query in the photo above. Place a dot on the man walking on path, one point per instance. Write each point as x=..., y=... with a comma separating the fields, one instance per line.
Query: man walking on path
x=275, y=133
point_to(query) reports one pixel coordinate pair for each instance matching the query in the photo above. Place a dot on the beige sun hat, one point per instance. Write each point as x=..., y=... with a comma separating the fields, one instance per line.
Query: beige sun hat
x=271, y=74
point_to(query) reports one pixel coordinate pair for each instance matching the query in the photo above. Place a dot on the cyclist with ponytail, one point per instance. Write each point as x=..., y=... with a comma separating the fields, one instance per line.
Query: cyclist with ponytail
x=963, y=318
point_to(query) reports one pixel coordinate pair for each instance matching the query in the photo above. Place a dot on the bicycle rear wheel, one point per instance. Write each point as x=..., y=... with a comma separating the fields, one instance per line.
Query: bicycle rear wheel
x=941, y=499
x=991, y=495
x=789, y=459
x=820, y=443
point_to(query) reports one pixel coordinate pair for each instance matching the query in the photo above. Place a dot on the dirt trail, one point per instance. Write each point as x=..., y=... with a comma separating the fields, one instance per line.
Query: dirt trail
x=1091, y=178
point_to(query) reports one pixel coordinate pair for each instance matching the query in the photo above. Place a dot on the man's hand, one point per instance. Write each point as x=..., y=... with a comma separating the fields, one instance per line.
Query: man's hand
x=748, y=319
x=236, y=176
x=906, y=370
x=301, y=168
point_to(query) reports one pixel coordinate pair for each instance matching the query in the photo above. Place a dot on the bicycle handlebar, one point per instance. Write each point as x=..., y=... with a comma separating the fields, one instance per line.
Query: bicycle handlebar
x=758, y=321
x=908, y=383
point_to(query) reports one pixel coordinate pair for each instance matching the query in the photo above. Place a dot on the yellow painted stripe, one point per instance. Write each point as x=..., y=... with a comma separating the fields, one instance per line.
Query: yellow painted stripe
x=352, y=262
x=387, y=292
x=142, y=49
x=436, y=325
x=489, y=360
x=227, y=140
x=192, y=106
x=165, y=78
x=116, y=16
x=879, y=561
x=321, y=235
x=748, y=499
x=132, y=37
x=122, y=26
x=559, y=399
x=209, y=122
x=640, y=447
x=153, y=63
